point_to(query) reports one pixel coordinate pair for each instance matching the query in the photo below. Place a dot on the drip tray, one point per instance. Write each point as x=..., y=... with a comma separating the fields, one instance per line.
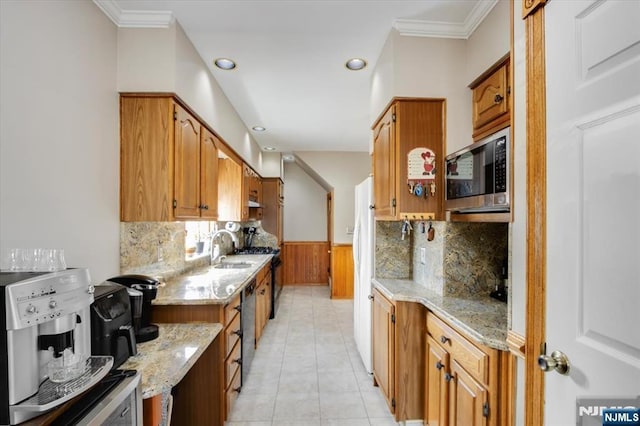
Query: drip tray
x=51, y=394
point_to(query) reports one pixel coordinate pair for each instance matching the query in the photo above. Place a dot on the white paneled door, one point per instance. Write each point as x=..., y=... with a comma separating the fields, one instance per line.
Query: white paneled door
x=593, y=202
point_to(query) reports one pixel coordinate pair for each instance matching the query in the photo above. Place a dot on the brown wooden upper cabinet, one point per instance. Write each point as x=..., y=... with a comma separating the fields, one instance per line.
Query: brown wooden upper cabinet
x=251, y=193
x=408, y=161
x=272, y=206
x=168, y=162
x=491, y=99
x=230, y=180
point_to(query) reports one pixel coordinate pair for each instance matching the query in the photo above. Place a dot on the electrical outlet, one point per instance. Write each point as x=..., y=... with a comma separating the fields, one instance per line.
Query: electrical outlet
x=423, y=255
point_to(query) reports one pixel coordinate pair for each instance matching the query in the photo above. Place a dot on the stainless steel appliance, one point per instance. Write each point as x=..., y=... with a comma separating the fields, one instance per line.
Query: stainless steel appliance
x=112, y=331
x=45, y=317
x=477, y=177
x=276, y=264
x=148, y=286
x=248, y=321
x=115, y=401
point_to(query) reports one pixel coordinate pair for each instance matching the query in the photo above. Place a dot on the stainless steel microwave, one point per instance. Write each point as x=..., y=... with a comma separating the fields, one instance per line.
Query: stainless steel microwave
x=477, y=177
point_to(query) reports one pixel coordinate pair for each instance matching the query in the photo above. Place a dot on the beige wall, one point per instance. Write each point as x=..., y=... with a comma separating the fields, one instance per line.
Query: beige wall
x=440, y=68
x=305, y=206
x=489, y=42
x=59, y=152
x=272, y=164
x=343, y=171
x=165, y=60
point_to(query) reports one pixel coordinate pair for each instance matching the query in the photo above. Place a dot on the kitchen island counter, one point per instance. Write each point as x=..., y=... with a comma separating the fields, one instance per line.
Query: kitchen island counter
x=210, y=285
x=483, y=319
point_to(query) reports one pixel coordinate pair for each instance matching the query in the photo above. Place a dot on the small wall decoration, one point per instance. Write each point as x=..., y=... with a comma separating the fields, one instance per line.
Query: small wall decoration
x=421, y=172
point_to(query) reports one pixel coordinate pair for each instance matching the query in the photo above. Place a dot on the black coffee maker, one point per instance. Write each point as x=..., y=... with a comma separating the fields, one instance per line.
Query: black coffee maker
x=141, y=306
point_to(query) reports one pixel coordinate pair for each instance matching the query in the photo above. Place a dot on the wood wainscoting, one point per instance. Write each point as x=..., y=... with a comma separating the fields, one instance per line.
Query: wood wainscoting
x=305, y=262
x=342, y=271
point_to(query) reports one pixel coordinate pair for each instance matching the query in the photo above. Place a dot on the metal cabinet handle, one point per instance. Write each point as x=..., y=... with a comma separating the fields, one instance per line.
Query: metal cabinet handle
x=238, y=361
x=498, y=98
x=370, y=297
x=439, y=365
x=444, y=339
x=372, y=206
x=448, y=377
x=237, y=333
x=237, y=389
x=238, y=308
x=125, y=411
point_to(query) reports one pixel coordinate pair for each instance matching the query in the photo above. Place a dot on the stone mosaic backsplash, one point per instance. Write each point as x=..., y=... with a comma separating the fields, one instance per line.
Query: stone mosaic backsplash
x=463, y=259
x=392, y=254
x=158, y=248
x=474, y=253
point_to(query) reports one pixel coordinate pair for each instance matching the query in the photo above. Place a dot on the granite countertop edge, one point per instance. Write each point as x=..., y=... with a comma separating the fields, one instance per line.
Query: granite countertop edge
x=238, y=278
x=408, y=291
x=148, y=361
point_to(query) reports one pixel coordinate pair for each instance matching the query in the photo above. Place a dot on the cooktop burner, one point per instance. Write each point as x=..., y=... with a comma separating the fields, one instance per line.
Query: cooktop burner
x=257, y=250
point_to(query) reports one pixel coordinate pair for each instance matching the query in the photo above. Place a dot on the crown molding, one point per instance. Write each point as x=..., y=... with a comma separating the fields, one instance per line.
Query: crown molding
x=135, y=18
x=420, y=28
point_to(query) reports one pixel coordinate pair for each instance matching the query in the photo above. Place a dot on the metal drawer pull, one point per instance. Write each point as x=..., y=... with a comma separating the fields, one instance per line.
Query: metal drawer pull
x=498, y=99
x=448, y=377
x=125, y=411
x=238, y=308
x=439, y=365
x=237, y=389
x=237, y=333
x=444, y=339
x=238, y=361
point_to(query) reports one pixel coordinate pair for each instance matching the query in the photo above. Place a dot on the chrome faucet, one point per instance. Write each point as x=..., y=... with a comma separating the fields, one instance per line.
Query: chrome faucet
x=234, y=239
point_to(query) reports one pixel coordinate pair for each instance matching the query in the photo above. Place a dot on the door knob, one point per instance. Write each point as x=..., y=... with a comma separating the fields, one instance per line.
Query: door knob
x=556, y=361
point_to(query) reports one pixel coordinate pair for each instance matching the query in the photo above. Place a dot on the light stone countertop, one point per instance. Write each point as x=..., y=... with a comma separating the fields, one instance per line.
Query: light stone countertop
x=163, y=362
x=208, y=285
x=483, y=320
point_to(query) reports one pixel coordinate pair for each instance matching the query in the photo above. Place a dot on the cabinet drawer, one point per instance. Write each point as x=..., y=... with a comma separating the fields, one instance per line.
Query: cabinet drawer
x=232, y=364
x=231, y=310
x=469, y=356
x=233, y=391
x=232, y=335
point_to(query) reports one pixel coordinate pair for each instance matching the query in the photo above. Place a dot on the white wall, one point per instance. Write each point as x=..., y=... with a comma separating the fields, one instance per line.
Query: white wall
x=343, y=171
x=165, y=60
x=489, y=42
x=59, y=150
x=305, y=206
x=440, y=68
x=430, y=68
x=272, y=164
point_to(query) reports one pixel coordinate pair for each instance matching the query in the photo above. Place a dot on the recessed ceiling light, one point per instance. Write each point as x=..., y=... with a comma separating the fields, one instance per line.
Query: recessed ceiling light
x=258, y=129
x=288, y=157
x=355, y=64
x=269, y=148
x=224, y=64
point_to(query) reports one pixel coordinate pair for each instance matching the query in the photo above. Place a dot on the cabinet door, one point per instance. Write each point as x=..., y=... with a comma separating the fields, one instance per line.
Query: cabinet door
x=384, y=347
x=384, y=166
x=467, y=399
x=490, y=98
x=208, y=175
x=146, y=149
x=187, y=165
x=436, y=389
x=229, y=190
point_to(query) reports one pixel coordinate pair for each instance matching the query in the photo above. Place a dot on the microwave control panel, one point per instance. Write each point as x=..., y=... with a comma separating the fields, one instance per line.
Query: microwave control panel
x=501, y=165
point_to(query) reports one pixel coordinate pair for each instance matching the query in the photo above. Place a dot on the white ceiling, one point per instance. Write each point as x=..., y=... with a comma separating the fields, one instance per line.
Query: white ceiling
x=290, y=76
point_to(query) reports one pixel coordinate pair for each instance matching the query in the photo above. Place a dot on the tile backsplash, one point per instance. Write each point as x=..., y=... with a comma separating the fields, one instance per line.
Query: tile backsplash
x=158, y=248
x=463, y=259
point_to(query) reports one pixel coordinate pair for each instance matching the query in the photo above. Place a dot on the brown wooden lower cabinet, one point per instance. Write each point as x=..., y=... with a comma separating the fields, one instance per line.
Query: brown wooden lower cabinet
x=463, y=380
x=399, y=334
x=206, y=394
x=305, y=262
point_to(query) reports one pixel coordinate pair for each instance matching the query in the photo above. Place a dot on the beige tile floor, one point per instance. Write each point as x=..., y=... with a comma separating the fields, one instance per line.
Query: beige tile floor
x=307, y=370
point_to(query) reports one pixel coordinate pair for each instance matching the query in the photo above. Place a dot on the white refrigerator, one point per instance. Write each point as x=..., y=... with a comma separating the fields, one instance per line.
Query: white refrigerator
x=363, y=249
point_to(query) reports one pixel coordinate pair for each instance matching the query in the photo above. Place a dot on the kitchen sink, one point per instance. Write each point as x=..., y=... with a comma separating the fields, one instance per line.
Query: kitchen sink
x=233, y=265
